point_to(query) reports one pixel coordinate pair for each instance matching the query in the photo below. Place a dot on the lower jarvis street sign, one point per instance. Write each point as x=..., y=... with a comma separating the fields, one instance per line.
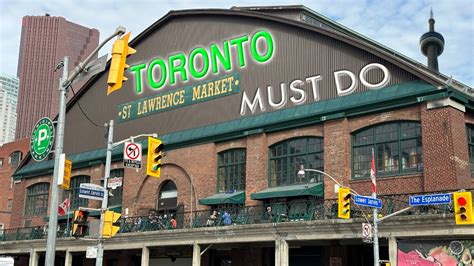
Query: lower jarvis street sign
x=91, y=191
x=42, y=139
x=431, y=199
x=367, y=201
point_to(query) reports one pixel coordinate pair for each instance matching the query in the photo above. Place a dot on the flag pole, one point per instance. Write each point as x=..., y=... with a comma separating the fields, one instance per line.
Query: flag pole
x=68, y=230
x=374, y=195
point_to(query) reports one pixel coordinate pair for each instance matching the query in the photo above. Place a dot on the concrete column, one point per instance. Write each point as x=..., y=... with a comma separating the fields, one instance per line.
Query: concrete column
x=34, y=257
x=196, y=254
x=68, y=260
x=281, y=252
x=145, y=256
x=392, y=250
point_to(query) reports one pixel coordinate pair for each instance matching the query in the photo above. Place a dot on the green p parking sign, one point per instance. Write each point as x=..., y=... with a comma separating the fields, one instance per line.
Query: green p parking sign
x=42, y=139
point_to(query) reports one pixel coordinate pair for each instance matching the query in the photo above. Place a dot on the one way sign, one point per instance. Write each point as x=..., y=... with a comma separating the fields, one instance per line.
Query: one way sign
x=132, y=155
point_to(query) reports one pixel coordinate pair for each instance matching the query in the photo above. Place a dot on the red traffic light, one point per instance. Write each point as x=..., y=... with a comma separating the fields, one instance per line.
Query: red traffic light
x=462, y=201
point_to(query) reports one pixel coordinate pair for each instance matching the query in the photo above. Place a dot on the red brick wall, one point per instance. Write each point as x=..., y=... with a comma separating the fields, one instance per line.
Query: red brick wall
x=445, y=152
x=6, y=181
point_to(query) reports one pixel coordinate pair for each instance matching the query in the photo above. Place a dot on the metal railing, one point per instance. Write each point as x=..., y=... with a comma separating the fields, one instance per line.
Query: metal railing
x=281, y=212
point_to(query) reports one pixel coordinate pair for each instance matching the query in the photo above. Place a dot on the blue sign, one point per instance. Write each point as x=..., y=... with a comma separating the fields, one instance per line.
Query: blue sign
x=91, y=191
x=367, y=201
x=431, y=199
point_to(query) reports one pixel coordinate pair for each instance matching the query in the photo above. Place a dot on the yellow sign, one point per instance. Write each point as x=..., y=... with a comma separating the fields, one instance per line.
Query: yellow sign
x=67, y=174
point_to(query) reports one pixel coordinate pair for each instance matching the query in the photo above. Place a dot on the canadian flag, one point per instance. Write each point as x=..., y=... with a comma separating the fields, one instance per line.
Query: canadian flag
x=63, y=207
x=372, y=173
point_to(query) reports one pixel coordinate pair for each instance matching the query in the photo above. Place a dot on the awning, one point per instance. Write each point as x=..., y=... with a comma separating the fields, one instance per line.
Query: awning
x=237, y=197
x=312, y=189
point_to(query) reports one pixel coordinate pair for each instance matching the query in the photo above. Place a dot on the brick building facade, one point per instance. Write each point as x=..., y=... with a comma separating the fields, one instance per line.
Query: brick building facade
x=11, y=155
x=241, y=152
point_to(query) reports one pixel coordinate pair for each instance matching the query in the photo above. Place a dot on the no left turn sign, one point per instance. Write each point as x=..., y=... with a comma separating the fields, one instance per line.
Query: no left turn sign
x=132, y=155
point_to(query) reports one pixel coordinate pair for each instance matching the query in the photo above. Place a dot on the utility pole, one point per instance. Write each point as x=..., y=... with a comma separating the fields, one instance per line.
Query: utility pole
x=108, y=159
x=376, y=237
x=64, y=83
x=53, y=205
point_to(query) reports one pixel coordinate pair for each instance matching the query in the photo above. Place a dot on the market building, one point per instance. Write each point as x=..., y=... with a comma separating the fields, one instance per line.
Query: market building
x=244, y=98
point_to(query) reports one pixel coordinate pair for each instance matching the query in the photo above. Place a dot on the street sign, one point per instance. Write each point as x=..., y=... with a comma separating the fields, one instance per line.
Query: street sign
x=65, y=167
x=94, y=67
x=114, y=182
x=42, y=138
x=366, y=232
x=91, y=191
x=132, y=155
x=91, y=252
x=431, y=199
x=367, y=201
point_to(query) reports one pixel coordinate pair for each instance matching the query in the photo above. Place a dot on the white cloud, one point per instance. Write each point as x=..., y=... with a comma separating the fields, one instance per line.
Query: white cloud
x=396, y=24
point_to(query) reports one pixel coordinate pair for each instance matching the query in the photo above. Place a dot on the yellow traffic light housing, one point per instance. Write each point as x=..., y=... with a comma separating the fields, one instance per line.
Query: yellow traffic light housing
x=120, y=51
x=153, y=165
x=344, y=203
x=111, y=225
x=463, y=208
x=80, y=225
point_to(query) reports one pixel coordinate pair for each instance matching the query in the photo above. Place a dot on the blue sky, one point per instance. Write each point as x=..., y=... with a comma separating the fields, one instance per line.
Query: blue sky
x=394, y=23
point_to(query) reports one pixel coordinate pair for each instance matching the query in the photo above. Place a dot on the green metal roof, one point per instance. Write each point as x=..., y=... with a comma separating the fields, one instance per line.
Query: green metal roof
x=311, y=189
x=395, y=96
x=237, y=197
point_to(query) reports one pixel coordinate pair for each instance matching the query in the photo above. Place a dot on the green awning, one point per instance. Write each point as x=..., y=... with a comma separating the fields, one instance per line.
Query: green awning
x=237, y=197
x=312, y=189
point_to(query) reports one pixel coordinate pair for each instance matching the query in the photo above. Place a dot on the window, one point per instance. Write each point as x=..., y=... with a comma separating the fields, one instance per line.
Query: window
x=231, y=170
x=286, y=158
x=470, y=144
x=15, y=158
x=397, y=150
x=1, y=162
x=168, y=198
x=115, y=195
x=37, y=199
x=9, y=205
x=76, y=181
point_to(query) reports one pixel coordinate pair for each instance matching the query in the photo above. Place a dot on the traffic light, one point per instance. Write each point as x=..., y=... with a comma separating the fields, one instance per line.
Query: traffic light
x=153, y=165
x=111, y=225
x=120, y=51
x=463, y=208
x=79, y=225
x=344, y=203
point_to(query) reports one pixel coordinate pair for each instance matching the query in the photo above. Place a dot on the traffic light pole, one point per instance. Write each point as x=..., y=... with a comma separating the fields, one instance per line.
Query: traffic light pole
x=108, y=159
x=376, y=237
x=53, y=205
x=64, y=83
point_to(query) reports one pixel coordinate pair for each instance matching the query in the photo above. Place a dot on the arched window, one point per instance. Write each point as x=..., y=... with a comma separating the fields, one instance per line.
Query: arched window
x=397, y=149
x=470, y=144
x=286, y=158
x=37, y=196
x=231, y=170
x=76, y=181
x=168, y=197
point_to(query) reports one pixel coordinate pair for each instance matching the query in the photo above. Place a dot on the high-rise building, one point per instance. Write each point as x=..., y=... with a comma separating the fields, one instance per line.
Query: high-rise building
x=8, y=103
x=45, y=40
